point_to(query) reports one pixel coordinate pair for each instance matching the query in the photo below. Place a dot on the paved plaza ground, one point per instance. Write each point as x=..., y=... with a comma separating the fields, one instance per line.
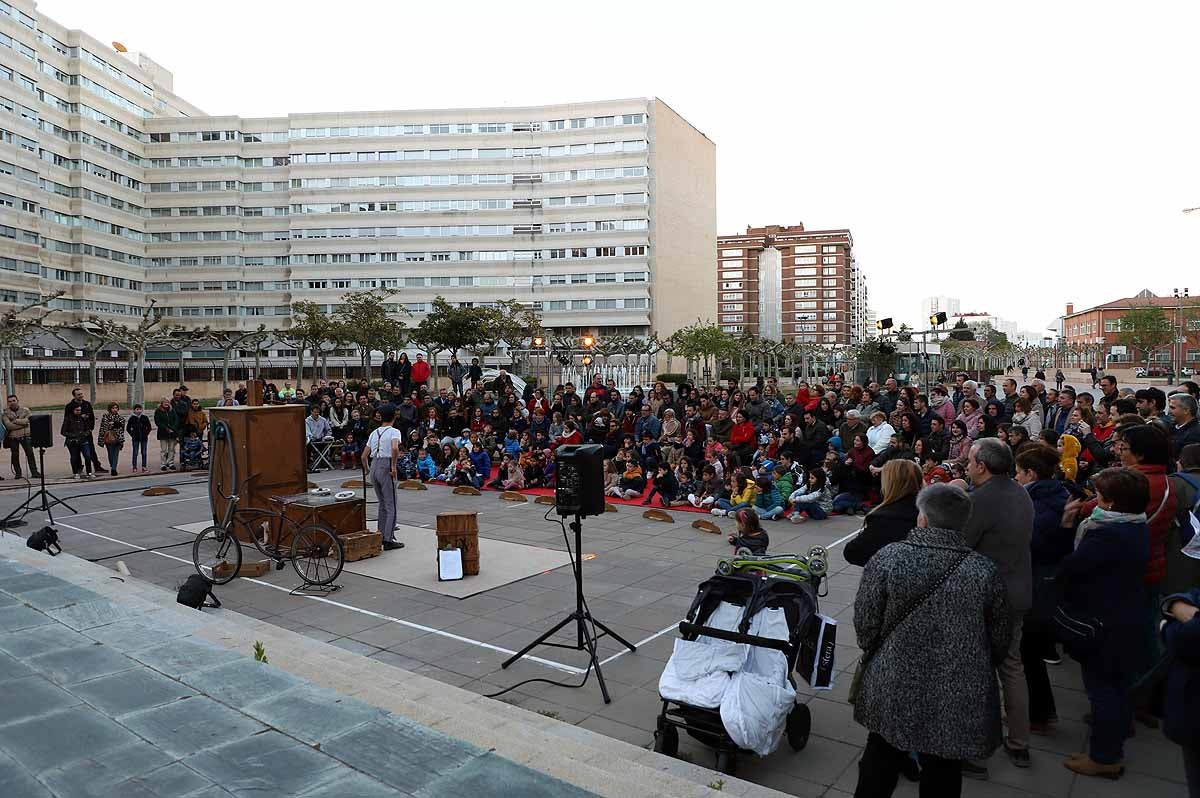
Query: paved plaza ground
x=640, y=577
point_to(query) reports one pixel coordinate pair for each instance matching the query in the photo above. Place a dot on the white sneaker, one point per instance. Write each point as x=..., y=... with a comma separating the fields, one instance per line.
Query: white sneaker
x=797, y=518
x=692, y=500
x=718, y=512
x=75, y=476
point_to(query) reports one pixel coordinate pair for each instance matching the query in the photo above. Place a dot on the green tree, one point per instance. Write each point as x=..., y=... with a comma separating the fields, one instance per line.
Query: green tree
x=363, y=319
x=1147, y=328
x=904, y=333
x=879, y=357
x=961, y=332
x=447, y=328
x=310, y=328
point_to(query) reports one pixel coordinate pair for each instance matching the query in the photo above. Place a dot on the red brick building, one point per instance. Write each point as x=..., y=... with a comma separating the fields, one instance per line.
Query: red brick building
x=785, y=282
x=1092, y=333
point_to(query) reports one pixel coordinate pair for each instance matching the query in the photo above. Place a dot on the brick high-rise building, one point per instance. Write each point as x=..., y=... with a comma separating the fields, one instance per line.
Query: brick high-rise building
x=788, y=283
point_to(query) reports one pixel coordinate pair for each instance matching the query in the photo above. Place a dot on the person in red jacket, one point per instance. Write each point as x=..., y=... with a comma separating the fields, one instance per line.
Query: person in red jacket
x=743, y=439
x=420, y=372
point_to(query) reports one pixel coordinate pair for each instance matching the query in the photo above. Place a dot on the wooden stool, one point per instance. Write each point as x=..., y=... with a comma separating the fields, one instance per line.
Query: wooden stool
x=460, y=529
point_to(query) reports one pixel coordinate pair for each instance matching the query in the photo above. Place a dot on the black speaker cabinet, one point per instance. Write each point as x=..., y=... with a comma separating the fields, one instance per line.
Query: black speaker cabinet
x=579, y=486
x=41, y=435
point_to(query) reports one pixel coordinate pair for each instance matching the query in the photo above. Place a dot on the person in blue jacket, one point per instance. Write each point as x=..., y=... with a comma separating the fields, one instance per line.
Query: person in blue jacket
x=483, y=465
x=1181, y=717
x=1100, y=583
x=1050, y=543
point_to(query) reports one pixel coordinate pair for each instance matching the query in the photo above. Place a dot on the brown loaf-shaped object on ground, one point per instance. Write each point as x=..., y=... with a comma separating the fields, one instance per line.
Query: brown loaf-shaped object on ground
x=460, y=530
x=413, y=484
x=707, y=526
x=609, y=507
x=160, y=491
x=658, y=515
x=466, y=490
x=513, y=496
x=354, y=483
x=544, y=500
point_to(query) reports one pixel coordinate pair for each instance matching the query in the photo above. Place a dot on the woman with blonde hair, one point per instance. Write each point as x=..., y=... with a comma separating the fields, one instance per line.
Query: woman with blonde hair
x=894, y=517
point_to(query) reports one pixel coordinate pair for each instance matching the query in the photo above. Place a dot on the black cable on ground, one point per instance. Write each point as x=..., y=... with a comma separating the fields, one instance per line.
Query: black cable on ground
x=142, y=551
x=138, y=487
x=587, y=673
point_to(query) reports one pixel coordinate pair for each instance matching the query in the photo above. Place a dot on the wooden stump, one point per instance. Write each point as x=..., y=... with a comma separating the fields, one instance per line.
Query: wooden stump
x=354, y=483
x=707, y=526
x=658, y=515
x=466, y=490
x=161, y=491
x=513, y=496
x=413, y=484
x=609, y=507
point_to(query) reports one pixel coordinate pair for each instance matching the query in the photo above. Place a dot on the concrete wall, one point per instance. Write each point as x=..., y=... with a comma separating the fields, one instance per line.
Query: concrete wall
x=683, y=221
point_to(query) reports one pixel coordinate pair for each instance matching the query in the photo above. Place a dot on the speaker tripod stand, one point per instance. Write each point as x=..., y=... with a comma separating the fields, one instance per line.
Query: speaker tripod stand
x=46, y=500
x=585, y=638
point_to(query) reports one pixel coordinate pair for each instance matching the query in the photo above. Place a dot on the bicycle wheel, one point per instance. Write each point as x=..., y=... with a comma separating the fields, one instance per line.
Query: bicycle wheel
x=217, y=555
x=317, y=555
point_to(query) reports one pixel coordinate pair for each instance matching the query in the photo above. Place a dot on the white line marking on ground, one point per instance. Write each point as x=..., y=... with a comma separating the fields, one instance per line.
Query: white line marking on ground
x=840, y=541
x=139, y=506
x=640, y=643
x=429, y=629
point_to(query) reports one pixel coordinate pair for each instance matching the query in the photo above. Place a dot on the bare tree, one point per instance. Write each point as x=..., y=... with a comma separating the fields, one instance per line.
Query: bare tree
x=17, y=325
x=97, y=334
x=232, y=340
x=149, y=333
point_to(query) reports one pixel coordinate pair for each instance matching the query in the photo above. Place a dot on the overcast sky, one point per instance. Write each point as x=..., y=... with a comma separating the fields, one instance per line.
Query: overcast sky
x=1017, y=155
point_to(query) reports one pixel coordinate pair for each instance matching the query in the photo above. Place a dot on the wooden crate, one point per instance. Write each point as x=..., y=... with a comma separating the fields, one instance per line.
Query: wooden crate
x=459, y=529
x=362, y=545
x=250, y=568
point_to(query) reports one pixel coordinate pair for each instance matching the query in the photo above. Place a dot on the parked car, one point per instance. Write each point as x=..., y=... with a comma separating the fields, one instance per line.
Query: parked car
x=1155, y=371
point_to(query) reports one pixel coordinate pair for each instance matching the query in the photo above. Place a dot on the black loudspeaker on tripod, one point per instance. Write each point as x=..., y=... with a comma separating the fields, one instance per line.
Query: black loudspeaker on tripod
x=41, y=437
x=579, y=491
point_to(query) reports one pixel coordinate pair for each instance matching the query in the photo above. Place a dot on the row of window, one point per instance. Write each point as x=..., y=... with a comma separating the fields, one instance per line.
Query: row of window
x=417, y=181
x=94, y=88
x=80, y=165
x=87, y=138
x=553, y=306
x=798, y=249
x=442, y=231
x=218, y=185
x=462, y=281
x=441, y=206
x=99, y=225
x=419, y=129
x=90, y=278
x=828, y=271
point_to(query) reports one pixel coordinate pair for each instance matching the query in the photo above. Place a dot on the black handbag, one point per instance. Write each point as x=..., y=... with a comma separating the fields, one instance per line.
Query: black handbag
x=1081, y=635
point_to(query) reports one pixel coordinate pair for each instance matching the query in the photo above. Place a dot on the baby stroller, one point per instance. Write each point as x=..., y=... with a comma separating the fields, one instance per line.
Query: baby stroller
x=193, y=455
x=729, y=683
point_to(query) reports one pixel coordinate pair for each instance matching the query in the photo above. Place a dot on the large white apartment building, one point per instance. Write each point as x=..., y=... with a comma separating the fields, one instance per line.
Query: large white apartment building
x=113, y=189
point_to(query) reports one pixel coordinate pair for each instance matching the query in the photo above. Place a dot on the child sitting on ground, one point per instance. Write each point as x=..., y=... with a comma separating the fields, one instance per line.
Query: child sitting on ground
x=426, y=468
x=686, y=477
x=632, y=481
x=785, y=480
x=812, y=502
x=501, y=473
x=350, y=452
x=666, y=487
x=709, y=489
x=750, y=533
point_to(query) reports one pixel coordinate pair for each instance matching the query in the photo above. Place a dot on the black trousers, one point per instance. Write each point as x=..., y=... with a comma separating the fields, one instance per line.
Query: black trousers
x=879, y=770
x=1037, y=640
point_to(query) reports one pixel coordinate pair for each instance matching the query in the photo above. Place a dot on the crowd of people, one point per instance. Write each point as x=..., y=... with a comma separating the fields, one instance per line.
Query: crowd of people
x=1002, y=521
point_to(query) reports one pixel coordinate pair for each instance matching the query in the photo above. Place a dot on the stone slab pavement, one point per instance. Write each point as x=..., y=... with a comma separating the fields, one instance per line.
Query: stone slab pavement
x=640, y=577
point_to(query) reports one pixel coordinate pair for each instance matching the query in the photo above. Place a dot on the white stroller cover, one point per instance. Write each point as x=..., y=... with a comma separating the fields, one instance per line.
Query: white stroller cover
x=749, y=684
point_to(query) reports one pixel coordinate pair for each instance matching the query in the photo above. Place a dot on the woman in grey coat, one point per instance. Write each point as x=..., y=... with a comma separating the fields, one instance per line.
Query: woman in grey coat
x=932, y=620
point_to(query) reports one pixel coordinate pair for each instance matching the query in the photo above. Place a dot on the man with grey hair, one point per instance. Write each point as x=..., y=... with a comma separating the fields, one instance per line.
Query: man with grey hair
x=1186, y=427
x=853, y=425
x=929, y=604
x=1001, y=528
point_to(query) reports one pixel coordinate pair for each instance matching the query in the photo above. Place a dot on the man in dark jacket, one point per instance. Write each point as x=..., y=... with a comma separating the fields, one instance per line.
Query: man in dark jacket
x=722, y=427
x=1001, y=527
x=850, y=427
x=89, y=414
x=1181, y=720
x=925, y=414
x=168, y=423
x=887, y=523
x=1186, y=428
x=813, y=435
x=389, y=368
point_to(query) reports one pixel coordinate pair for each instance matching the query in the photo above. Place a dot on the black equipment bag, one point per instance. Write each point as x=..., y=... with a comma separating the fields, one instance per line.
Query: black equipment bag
x=45, y=539
x=194, y=592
